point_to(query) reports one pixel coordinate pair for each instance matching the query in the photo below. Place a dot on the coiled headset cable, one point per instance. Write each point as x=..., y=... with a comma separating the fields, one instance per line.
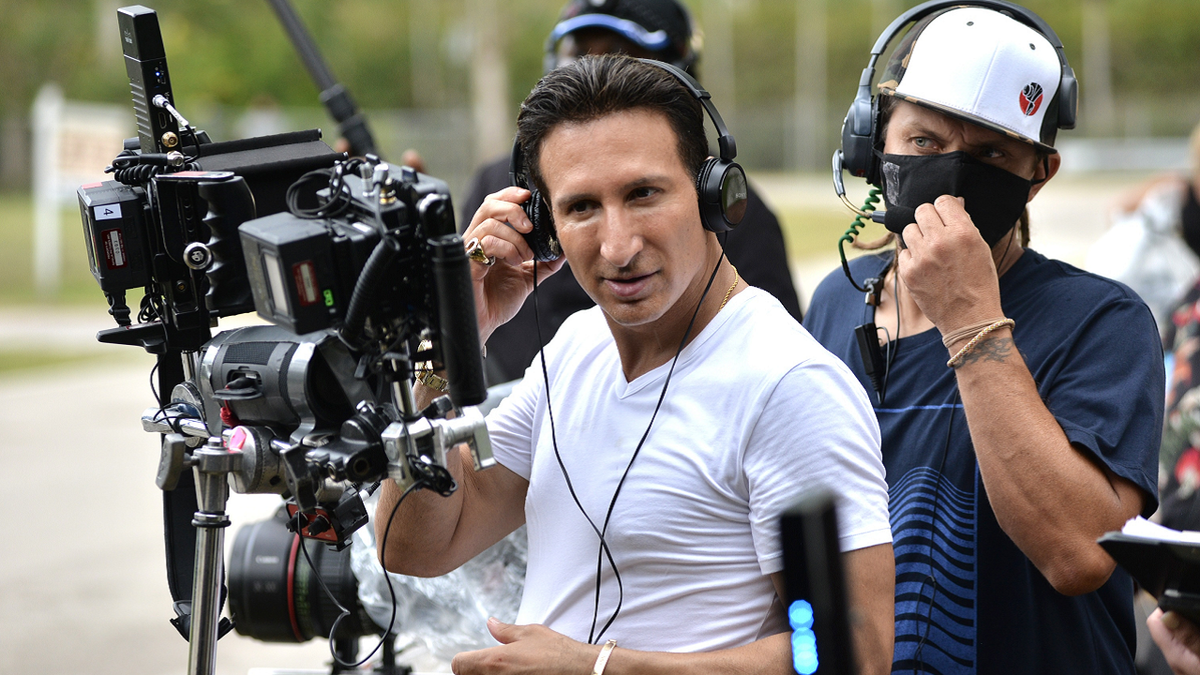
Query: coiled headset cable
x=851, y=234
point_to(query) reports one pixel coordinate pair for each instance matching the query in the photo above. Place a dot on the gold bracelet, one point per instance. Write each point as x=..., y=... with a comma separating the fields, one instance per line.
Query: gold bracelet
x=425, y=374
x=956, y=360
x=433, y=381
x=602, y=660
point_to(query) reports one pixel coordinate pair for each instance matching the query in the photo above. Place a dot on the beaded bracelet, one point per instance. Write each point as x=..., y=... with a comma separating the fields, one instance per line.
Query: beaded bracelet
x=957, y=358
x=950, y=338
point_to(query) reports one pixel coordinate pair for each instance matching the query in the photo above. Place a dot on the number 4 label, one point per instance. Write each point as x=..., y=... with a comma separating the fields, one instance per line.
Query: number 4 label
x=108, y=212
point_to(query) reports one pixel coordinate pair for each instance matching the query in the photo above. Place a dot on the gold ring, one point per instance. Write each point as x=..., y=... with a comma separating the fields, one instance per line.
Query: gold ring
x=475, y=252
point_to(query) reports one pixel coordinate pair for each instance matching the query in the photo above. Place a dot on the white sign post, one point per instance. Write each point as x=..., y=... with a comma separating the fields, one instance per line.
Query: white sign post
x=72, y=143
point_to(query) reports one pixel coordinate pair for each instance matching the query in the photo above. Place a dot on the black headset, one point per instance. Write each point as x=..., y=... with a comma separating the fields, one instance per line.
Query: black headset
x=860, y=131
x=720, y=183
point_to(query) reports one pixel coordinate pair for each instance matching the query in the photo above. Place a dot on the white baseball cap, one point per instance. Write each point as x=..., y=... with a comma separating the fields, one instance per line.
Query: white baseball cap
x=981, y=66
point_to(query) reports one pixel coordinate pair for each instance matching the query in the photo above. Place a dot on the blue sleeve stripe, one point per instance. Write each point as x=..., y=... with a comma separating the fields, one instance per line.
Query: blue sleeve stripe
x=942, y=406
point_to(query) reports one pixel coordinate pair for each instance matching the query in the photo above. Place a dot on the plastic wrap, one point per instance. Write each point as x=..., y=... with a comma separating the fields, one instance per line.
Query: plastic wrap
x=444, y=615
x=1144, y=250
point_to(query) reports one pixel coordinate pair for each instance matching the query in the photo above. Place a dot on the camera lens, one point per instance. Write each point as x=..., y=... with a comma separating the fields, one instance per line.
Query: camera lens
x=274, y=595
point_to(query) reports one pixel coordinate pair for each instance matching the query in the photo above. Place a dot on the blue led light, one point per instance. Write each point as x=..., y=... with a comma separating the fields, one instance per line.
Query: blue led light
x=804, y=640
x=800, y=615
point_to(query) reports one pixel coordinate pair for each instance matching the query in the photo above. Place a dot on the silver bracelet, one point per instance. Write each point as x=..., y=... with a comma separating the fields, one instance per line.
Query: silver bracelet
x=602, y=660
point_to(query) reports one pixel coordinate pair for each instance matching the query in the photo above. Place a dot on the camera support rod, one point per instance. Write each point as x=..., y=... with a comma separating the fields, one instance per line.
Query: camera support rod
x=335, y=97
x=212, y=466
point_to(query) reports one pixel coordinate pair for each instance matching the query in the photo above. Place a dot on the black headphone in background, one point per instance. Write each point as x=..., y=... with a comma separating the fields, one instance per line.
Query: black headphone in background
x=720, y=183
x=860, y=131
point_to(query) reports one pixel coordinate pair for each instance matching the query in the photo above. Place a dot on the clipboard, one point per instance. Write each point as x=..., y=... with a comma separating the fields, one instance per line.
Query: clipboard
x=1169, y=570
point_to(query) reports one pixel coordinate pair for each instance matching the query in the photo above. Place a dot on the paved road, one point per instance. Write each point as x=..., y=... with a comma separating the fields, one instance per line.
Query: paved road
x=82, y=581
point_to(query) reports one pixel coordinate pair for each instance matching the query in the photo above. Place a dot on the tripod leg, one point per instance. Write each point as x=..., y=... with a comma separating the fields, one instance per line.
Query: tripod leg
x=213, y=464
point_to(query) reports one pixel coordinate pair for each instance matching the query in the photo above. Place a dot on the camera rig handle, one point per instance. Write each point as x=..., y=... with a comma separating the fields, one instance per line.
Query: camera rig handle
x=459, y=325
x=230, y=203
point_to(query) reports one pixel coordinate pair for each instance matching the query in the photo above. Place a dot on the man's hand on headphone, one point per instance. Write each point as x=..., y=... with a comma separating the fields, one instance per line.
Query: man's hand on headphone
x=502, y=285
x=948, y=267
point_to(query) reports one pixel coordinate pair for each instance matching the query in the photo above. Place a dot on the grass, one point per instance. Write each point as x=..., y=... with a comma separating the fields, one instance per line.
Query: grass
x=814, y=232
x=77, y=288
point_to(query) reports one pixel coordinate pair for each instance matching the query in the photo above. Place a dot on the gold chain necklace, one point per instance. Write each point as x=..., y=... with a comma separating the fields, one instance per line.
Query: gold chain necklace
x=729, y=292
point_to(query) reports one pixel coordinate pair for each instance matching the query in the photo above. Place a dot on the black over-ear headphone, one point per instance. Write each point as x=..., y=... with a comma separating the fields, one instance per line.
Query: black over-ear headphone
x=720, y=183
x=860, y=131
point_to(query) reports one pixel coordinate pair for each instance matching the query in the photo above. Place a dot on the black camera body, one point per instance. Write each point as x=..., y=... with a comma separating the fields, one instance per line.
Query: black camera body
x=175, y=233
x=303, y=272
x=357, y=266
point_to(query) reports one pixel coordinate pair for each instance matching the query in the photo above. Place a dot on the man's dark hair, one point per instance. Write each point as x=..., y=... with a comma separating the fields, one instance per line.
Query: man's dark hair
x=593, y=87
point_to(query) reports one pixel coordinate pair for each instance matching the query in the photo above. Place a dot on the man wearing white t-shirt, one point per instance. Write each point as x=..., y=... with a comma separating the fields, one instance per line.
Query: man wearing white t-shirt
x=654, y=442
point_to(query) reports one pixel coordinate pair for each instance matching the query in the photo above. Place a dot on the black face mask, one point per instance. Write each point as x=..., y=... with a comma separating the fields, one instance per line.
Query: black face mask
x=1190, y=219
x=994, y=198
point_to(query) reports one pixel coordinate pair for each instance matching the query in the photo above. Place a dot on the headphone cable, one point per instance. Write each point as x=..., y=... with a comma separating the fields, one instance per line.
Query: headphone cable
x=661, y=396
x=604, y=550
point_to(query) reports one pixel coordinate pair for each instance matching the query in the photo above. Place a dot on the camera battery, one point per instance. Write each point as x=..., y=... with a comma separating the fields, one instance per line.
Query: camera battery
x=115, y=233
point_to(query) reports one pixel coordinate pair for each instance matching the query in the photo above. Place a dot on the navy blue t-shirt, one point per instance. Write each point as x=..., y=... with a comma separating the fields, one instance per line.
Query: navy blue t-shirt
x=982, y=607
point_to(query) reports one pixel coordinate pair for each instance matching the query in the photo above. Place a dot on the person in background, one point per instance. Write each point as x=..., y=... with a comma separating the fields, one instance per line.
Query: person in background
x=655, y=29
x=1153, y=245
x=1171, y=199
x=1179, y=454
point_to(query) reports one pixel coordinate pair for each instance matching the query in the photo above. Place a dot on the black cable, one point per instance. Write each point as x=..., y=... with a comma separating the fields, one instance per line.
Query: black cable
x=604, y=550
x=937, y=490
x=851, y=234
x=387, y=530
x=893, y=346
x=153, y=387
x=338, y=199
x=661, y=396
x=345, y=612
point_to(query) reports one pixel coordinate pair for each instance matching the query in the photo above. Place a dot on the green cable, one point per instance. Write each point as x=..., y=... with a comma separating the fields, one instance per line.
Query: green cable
x=851, y=234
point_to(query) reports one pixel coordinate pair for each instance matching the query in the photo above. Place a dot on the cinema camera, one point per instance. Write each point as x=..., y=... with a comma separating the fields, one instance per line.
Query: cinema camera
x=358, y=267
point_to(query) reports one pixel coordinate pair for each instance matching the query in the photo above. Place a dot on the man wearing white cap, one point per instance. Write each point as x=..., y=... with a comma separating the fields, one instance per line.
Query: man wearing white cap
x=1020, y=399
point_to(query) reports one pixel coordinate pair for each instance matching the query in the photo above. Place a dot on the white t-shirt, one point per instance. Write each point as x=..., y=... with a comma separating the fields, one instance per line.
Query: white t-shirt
x=756, y=414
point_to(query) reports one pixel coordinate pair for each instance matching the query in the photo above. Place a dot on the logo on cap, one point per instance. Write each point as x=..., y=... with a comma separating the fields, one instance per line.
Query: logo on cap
x=1031, y=98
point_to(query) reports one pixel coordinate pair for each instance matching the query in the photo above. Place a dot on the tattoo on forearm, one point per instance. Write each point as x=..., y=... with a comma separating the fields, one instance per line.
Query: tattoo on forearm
x=990, y=349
